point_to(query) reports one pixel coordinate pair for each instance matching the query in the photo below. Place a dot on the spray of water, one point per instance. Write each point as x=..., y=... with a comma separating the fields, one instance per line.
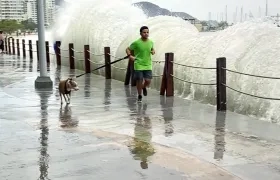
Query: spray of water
x=251, y=47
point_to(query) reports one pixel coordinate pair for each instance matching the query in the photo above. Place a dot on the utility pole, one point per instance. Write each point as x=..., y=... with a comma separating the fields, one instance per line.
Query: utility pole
x=266, y=9
x=226, y=14
x=210, y=18
x=241, y=18
x=235, y=16
x=43, y=81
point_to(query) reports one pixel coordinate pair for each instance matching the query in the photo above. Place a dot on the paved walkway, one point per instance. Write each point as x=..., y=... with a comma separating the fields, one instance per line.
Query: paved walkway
x=105, y=134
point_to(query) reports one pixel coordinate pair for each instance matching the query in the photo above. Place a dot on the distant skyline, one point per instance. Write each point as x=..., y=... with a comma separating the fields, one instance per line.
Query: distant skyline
x=201, y=8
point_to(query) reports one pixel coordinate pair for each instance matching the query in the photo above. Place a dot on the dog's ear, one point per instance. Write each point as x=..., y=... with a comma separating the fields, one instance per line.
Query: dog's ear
x=70, y=79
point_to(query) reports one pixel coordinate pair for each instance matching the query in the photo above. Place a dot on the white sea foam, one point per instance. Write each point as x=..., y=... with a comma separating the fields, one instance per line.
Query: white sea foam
x=252, y=47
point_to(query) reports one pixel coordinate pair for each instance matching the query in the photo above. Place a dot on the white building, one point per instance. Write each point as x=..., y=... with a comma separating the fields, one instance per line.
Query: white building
x=26, y=9
x=49, y=10
x=31, y=10
x=13, y=10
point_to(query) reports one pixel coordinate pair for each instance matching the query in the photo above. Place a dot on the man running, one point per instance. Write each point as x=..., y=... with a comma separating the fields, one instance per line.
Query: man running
x=140, y=52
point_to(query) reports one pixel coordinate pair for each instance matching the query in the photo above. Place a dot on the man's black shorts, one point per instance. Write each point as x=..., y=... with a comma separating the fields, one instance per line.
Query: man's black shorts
x=143, y=74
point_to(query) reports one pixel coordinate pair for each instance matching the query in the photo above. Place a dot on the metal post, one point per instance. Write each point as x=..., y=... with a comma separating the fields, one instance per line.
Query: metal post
x=87, y=58
x=71, y=56
x=170, y=83
x=164, y=77
x=18, y=48
x=9, y=45
x=42, y=81
x=30, y=49
x=58, y=53
x=132, y=79
x=107, y=62
x=6, y=45
x=167, y=84
x=128, y=73
x=47, y=52
x=13, y=46
x=23, y=48
x=37, y=49
x=221, y=84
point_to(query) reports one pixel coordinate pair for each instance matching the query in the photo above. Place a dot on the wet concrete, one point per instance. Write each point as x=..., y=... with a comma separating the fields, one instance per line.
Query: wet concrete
x=105, y=134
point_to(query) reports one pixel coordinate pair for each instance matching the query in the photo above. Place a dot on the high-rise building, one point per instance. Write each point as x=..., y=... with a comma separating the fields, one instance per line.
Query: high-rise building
x=13, y=10
x=31, y=10
x=49, y=10
x=26, y=9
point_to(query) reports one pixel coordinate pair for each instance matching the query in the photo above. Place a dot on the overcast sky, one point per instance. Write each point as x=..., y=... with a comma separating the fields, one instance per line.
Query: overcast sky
x=201, y=8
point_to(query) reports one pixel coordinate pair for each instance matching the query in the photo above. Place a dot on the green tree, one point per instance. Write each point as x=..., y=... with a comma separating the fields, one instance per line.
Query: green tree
x=204, y=23
x=10, y=26
x=223, y=24
x=28, y=25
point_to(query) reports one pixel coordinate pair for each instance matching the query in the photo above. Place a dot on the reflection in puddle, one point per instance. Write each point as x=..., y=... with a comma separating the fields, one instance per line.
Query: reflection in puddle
x=24, y=64
x=30, y=65
x=57, y=79
x=44, y=156
x=87, y=85
x=140, y=145
x=107, y=94
x=167, y=114
x=220, y=135
x=66, y=119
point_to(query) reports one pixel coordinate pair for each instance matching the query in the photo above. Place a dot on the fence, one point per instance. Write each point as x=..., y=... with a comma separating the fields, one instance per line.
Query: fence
x=167, y=81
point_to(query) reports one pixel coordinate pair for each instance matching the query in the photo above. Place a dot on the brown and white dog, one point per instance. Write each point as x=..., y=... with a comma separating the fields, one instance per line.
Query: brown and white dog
x=65, y=87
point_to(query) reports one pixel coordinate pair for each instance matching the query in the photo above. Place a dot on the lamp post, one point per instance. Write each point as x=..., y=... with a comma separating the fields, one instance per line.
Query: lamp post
x=42, y=81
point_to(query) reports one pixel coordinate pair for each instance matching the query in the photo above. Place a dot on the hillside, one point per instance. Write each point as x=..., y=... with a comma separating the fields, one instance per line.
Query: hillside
x=149, y=9
x=152, y=10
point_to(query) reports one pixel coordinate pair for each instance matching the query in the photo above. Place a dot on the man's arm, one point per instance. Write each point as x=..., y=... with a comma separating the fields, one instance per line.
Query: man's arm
x=129, y=50
x=153, y=50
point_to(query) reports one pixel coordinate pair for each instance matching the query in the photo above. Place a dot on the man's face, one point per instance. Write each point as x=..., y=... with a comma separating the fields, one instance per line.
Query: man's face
x=145, y=33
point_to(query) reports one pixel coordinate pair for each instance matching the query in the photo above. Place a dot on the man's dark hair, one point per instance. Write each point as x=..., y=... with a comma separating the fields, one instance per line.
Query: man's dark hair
x=1, y=32
x=142, y=28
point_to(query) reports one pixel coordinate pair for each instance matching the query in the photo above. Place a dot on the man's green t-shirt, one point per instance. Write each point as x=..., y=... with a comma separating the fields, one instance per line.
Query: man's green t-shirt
x=142, y=53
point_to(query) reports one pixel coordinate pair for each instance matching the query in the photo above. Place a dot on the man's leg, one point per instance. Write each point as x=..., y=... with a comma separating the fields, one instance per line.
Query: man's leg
x=147, y=75
x=138, y=75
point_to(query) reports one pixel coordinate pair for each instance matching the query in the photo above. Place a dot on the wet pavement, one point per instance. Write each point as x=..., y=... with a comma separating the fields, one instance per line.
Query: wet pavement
x=105, y=134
